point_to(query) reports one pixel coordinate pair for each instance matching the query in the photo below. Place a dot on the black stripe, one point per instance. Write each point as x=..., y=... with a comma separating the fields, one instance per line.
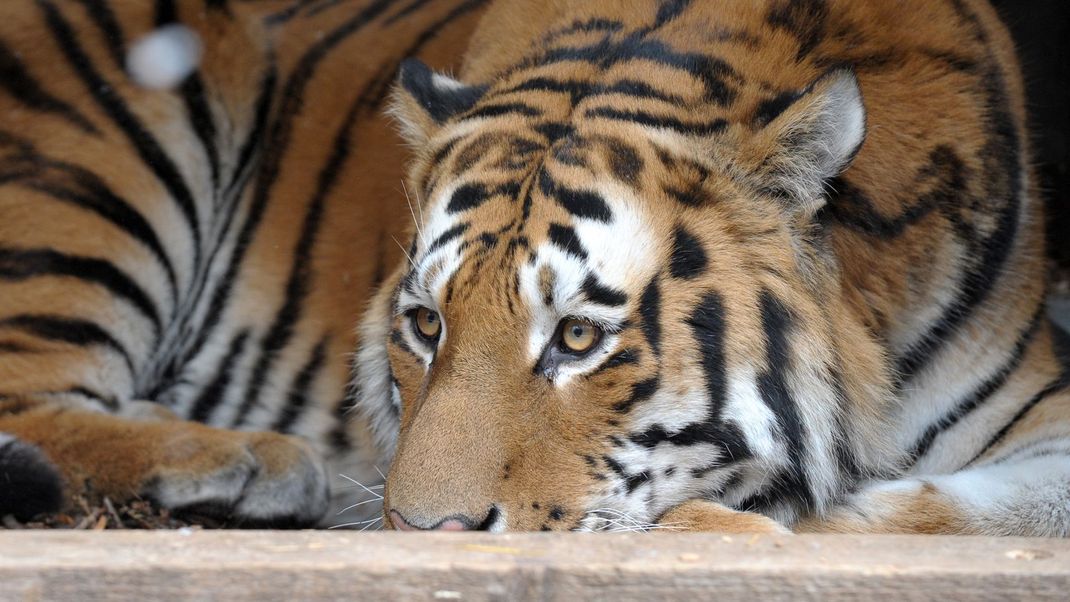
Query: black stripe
x=631, y=481
x=300, y=391
x=252, y=144
x=596, y=292
x=23, y=264
x=1057, y=386
x=580, y=203
x=447, y=236
x=499, y=110
x=713, y=72
x=660, y=121
x=594, y=24
x=104, y=18
x=945, y=173
x=72, y=331
x=409, y=9
x=23, y=87
x=297, y=286
x=688, y=258
x=771, y=108
x=467, y=196
x=214, y=393
x=773, y=388
x=192, y=90
x=109, y=100
x=638, y=89
x=106, y=401
x=650, y=311
x=708, y=327
x=200, y=116
x=565, y=238
x=804, y=19
x=641, y=391
x=221, y=5
x=979, y=395
x=574, y=88
x=669, y=10
x=287, y=13
x=624, y=357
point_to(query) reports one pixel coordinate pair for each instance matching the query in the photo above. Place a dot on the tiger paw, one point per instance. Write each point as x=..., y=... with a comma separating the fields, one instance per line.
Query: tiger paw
x=248, y=479
x=253, y=479
x=701, y=515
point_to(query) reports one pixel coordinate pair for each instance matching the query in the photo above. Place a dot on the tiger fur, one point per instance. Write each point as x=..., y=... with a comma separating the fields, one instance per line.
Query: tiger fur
x=182, y=270
x=805, y=234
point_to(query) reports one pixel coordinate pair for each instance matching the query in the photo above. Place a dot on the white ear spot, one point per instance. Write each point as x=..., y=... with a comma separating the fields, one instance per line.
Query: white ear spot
x=164, y=58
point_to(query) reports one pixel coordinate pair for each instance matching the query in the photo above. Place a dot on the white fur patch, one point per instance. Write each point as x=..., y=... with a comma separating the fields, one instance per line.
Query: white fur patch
x=164, y=58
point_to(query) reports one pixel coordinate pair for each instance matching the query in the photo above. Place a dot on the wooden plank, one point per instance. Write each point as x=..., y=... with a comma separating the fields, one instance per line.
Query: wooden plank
x=262, y=566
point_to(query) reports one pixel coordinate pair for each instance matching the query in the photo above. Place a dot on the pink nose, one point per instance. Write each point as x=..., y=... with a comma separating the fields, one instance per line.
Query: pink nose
x=447, y=525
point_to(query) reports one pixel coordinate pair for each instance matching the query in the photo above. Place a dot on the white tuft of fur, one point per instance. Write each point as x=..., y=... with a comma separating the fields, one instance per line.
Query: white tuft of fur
x=164, y=58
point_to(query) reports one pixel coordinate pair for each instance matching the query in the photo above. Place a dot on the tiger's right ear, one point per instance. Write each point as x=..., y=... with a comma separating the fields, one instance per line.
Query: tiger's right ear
x=424, y=100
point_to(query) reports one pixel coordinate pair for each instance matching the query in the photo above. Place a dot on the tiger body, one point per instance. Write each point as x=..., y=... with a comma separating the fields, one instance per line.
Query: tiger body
x=804, y=236
x=199, y=255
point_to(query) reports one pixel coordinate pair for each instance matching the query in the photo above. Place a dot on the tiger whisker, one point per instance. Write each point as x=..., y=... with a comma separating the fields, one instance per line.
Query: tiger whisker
x=361, y=485
x=405, y=251
x=356, y=523
x=371, y=524
x=348, y=508
x=415, y=222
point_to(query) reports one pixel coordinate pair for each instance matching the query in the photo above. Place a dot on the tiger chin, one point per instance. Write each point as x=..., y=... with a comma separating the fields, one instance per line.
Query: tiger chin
x=736, y=266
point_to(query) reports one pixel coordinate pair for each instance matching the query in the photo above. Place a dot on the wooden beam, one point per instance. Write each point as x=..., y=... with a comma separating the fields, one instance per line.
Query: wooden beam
x=261, y=566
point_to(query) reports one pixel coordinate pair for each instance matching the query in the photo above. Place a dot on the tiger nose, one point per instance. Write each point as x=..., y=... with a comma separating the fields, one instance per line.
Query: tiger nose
x=450, y=523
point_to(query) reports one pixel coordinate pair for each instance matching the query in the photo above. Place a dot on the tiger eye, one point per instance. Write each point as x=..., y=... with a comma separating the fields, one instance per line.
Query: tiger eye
x=578, y=336
x=428, y=323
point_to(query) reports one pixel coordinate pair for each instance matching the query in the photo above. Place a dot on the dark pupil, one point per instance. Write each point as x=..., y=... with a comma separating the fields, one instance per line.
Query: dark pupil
x=578, y=330
x=430, y=317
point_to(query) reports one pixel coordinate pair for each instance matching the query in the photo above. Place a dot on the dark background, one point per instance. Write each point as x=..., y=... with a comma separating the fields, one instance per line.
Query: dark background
x=1041, y=30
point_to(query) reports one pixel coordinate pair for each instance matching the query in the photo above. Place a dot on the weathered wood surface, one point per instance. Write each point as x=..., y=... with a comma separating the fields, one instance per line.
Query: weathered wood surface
x=266, y=566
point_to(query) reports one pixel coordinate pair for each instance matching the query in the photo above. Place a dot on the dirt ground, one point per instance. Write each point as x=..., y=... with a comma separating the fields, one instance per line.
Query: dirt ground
x=137, y=514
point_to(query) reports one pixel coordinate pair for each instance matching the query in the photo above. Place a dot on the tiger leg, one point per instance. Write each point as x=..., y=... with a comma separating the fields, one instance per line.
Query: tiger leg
x=1027, y=497
x=256, y=478
x=1019, y=485
x=702, y=515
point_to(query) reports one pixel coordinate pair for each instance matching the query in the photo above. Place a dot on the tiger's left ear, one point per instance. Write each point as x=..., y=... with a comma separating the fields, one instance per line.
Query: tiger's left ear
x=424, y=100
x=811, y=136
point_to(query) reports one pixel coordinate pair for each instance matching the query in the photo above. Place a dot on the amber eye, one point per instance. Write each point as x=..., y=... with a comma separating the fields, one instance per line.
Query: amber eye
x=578, y=336
x=427, y=323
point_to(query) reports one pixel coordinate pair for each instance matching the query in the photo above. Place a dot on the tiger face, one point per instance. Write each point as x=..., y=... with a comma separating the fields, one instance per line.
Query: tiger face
x=594, y=308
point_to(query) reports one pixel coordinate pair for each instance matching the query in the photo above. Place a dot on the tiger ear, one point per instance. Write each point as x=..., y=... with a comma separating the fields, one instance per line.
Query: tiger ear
x=813, y=135
x=424, y=100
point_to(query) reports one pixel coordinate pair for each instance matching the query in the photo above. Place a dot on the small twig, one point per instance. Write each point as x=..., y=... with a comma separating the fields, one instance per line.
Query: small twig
x=111, y=510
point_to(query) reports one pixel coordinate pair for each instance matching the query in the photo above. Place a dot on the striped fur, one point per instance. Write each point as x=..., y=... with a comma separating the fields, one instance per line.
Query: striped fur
x=801, y=329
x=200, y=255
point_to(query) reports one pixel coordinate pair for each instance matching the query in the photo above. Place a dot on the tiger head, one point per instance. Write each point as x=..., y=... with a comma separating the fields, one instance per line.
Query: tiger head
x=619, y=294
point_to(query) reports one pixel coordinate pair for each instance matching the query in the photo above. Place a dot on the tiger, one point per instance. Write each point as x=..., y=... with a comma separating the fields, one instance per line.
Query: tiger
x=183, y=263
x=773, y=266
